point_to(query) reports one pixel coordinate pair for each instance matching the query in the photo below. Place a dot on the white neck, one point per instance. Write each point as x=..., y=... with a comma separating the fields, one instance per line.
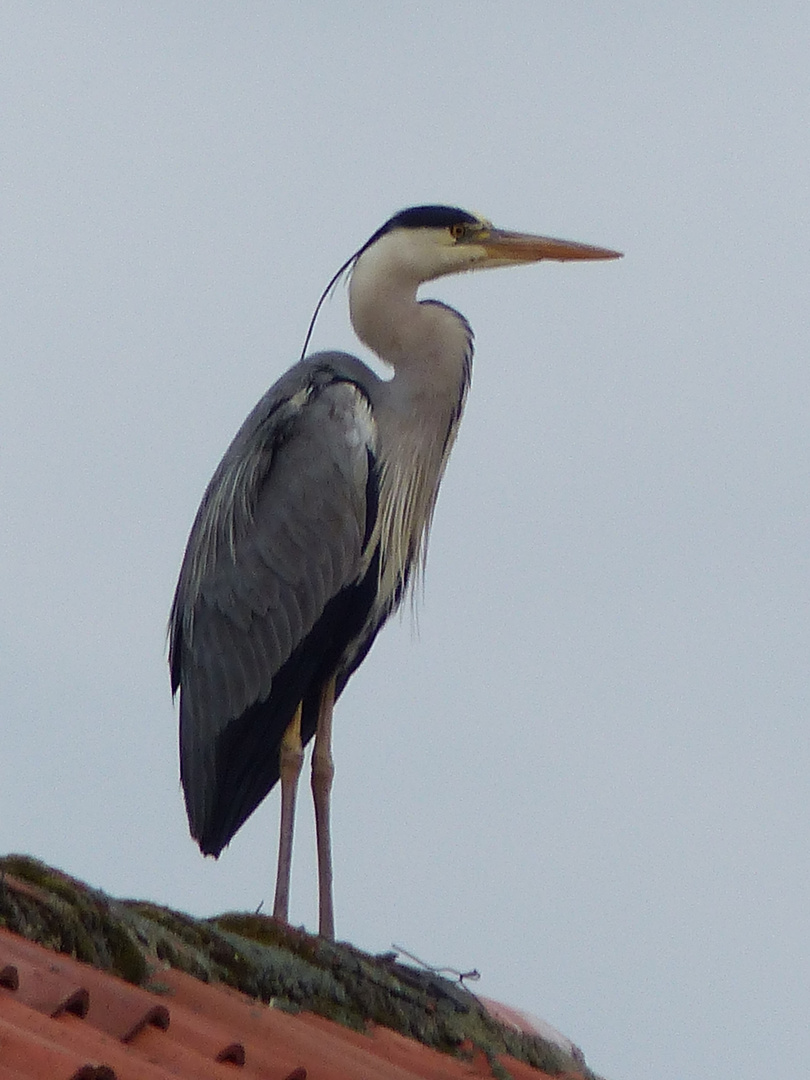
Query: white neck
x=424, y=343
x=429, y=347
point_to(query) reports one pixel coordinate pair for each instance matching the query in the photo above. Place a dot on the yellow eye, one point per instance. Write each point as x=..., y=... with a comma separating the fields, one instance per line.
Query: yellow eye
x=458, y=230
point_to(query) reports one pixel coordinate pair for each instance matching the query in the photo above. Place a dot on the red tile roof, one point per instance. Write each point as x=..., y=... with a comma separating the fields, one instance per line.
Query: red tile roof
x=62, y=1019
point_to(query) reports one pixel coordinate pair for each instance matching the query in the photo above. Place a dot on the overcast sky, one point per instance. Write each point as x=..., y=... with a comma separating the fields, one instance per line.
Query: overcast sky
x=585, y=771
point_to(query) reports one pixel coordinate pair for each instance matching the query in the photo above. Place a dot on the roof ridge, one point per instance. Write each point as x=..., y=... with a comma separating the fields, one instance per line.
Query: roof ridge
x=158, y=952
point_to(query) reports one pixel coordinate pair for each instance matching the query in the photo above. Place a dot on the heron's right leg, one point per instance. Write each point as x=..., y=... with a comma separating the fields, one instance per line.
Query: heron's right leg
x=323, y=771
x=291, y=758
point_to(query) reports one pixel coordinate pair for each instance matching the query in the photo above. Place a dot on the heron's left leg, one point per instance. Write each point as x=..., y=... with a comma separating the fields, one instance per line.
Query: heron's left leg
x=291, y=758
x=323, y=771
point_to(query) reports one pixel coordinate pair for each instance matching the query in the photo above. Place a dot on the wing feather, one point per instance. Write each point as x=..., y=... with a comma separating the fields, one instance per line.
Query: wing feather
x=281, y=534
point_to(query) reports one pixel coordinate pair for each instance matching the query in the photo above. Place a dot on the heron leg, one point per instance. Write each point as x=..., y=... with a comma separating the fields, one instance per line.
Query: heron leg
x=291, y=758
x=323, y=771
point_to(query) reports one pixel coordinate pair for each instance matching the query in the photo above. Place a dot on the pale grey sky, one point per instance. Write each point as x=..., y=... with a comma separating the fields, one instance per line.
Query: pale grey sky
x=586, y=773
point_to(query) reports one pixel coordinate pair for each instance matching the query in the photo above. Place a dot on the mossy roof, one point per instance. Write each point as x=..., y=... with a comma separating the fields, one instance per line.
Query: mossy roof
x=276, y=964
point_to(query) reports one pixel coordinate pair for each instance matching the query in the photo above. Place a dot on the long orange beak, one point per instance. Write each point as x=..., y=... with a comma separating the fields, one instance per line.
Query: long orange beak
x=513, y=247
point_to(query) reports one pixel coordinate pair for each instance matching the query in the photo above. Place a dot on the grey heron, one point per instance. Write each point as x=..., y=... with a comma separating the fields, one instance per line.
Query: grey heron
x=313, y=526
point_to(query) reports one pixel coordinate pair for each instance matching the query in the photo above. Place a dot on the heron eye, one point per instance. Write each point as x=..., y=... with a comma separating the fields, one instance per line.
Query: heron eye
x=458, y=230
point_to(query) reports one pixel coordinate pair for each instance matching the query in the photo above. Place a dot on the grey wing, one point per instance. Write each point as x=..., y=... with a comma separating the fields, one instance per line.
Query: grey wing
x=281, y=534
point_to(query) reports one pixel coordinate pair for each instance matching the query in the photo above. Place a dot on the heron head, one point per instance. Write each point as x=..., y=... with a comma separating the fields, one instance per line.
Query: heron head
x=427, y=242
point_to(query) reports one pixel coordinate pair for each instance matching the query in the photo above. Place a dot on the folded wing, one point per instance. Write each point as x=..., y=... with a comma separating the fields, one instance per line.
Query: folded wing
x=277, y=582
